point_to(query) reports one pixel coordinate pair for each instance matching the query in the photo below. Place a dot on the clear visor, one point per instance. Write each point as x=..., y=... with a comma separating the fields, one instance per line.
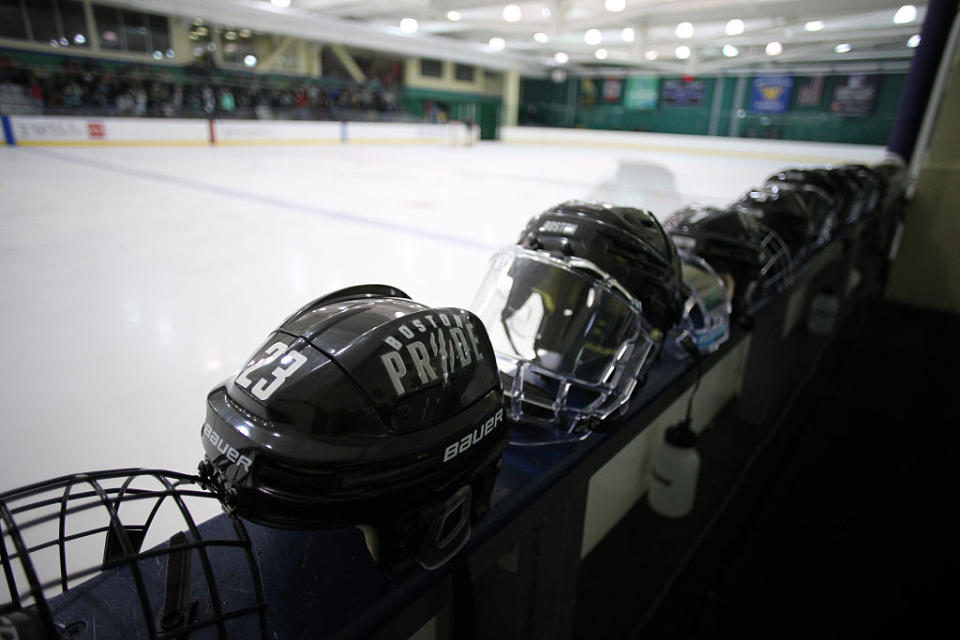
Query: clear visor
x=570, y=341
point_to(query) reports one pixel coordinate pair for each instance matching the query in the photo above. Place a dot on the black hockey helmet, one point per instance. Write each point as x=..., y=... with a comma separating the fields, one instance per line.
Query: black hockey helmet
x=577, y=313
x=839, y=191
x=363, y=408
x=627, y=243
x=794, y=213
x=752, y=254
x=872, y=186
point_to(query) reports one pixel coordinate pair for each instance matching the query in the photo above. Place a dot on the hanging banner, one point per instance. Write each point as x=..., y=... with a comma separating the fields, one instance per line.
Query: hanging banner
x=611, y=90
x=809, y=91
x=588, y=92
x=771, y=94
x=855, y=95
x=680, y=92
x=641, y=93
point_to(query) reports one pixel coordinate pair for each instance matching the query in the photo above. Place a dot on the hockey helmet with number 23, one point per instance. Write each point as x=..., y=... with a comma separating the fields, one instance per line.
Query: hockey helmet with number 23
x=363, y=408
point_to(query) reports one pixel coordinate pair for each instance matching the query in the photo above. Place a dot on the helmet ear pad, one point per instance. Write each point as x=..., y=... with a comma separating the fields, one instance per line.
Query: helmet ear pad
x=432, y=534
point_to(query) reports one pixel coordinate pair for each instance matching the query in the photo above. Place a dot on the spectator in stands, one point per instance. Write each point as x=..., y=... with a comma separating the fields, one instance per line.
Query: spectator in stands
x=227, y=102
x=208, y=100
x=36, y=95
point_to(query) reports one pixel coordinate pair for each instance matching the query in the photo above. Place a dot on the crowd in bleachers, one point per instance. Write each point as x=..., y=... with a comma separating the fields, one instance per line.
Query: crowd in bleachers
x=86, y=87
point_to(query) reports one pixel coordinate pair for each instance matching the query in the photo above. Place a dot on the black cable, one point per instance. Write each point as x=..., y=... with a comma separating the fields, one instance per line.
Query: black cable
x=690, y=346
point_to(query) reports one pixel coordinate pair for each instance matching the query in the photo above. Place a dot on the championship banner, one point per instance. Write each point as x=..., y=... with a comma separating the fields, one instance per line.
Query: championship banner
x=588, y=92
x=771, y=94
x=640, y=94
x=809, y=91
x=679, y=92
x=611, y=90
x=855, y=95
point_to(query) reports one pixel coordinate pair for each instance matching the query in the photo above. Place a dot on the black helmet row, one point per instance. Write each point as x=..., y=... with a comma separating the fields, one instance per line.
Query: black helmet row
x=367, y=408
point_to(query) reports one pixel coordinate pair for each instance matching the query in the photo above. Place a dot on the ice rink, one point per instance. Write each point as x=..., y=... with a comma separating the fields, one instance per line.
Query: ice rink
x=133, y=280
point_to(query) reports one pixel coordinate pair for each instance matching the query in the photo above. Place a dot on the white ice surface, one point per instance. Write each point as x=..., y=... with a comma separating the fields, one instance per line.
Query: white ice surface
x=133, y=280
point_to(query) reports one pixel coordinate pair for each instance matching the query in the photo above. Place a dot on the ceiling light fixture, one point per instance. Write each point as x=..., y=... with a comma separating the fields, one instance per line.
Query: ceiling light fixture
x=735, y=27
x=453, y=16
x=283, y=4
x=561, y=58
x=540, y=37
x=730, y=51
x=651, y=55
x=843, y=48
x=774, y=48
x=814, y=25
x=913, y=41
x=512, y=13
x=601, y=54
x=682, y=52
x=905, y=14
x=409, y=25
x=684, y=30
x=628, y=34
x=497, y=44
x=615, y=6
x=593, y=36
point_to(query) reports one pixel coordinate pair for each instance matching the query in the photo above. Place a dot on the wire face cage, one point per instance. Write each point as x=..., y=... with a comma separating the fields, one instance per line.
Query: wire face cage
x=119, y=554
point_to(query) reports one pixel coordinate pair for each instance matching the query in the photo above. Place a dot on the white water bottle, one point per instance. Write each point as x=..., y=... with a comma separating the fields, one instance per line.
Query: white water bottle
x=675, y=468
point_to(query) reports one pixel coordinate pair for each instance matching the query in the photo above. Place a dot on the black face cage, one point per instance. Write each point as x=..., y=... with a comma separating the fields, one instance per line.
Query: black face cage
x=102, y=529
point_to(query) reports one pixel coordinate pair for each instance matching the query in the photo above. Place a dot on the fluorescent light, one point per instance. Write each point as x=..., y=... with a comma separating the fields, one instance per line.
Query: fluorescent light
x=497, y=44
x=250, y=61
x=409, y=25
x=540, y=37
x=682, y=52
x=651, y=55
x=628, y=34
x=601, y=54
x=730, y=51
x=615, y=5
x=561, y=58
x=593, y=36
x=283, y=4
x=842, y=48
x=774, y=48
x=684, y=30
x=913, y=41
x=906, y=13
x=512, y=13
x=814, y=25
x=453, y=16
x=735, y=27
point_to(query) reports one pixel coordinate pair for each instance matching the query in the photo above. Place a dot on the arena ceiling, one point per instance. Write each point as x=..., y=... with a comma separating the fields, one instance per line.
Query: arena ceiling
x=584, y=35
